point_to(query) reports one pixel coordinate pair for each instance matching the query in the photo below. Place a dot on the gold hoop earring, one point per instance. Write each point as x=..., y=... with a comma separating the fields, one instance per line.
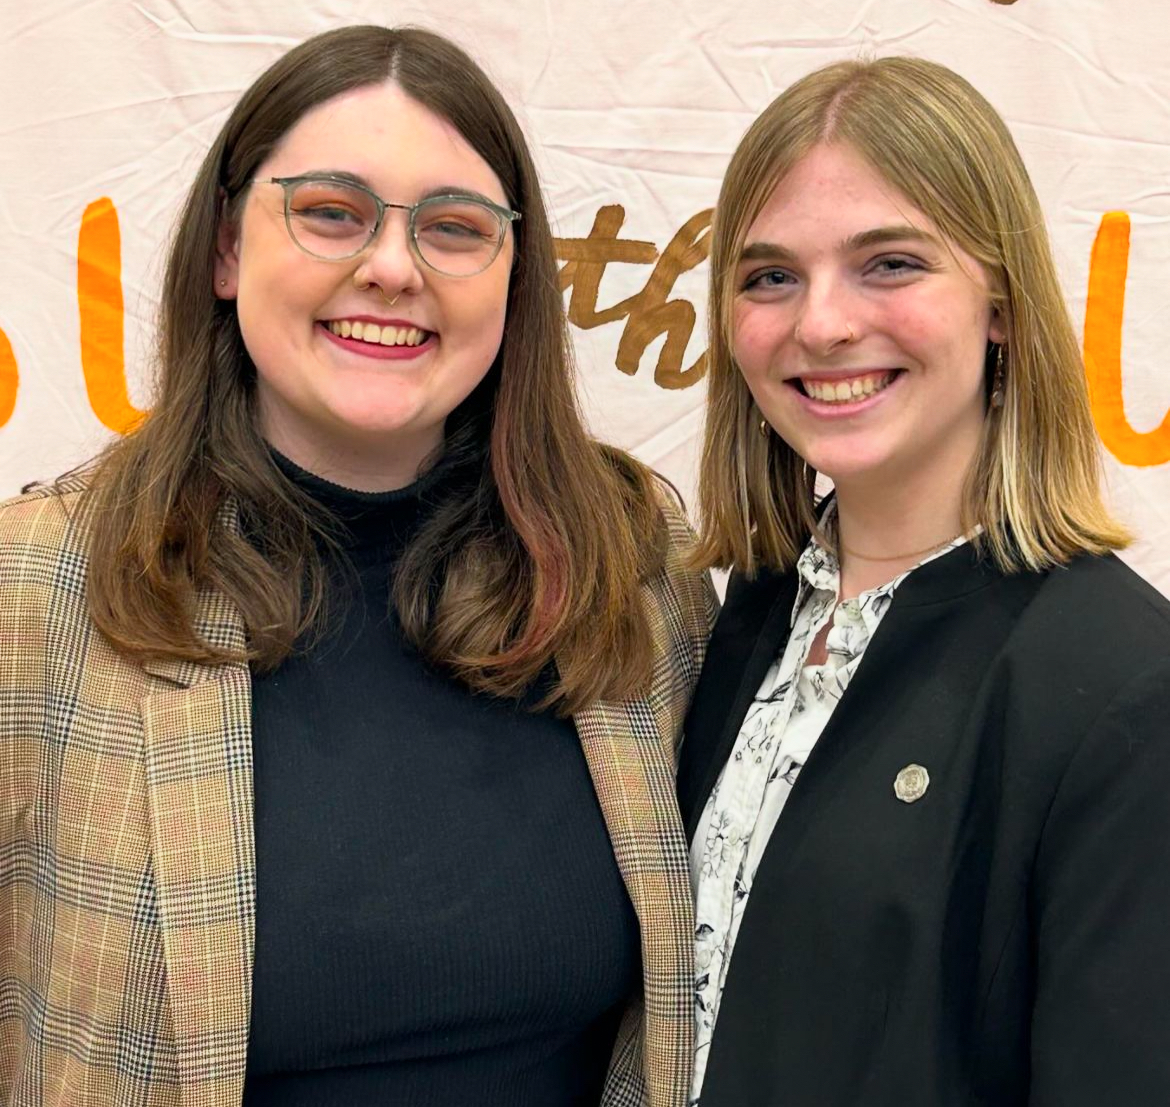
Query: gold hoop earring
x=998, y=377
x=764, y=428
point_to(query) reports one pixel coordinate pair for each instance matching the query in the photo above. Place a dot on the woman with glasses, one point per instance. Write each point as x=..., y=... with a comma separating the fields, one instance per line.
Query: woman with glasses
x=926, y=773
x=340, y=699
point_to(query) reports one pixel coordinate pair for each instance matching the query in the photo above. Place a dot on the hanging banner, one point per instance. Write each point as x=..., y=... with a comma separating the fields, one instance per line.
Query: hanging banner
x=633, y=110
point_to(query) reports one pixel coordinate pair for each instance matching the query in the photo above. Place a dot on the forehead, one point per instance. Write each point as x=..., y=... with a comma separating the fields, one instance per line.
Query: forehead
x=833, y=190
x=379, y=132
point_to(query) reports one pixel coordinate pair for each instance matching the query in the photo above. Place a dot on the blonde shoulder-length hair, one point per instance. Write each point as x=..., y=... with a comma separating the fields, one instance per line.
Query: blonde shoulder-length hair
x=1035, y=486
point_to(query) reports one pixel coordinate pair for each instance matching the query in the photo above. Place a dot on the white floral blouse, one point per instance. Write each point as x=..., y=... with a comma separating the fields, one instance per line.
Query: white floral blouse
x=783, y=723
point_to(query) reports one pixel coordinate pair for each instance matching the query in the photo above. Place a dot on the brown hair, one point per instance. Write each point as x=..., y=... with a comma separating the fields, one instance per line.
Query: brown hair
x=1035, y=484
x=539, y=551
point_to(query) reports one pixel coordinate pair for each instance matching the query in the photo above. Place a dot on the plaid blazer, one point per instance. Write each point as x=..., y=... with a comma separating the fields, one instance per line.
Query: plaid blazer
x=127, y=871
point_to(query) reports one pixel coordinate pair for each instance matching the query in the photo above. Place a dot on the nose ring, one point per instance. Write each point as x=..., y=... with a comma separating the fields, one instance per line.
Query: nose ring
x=364, y=287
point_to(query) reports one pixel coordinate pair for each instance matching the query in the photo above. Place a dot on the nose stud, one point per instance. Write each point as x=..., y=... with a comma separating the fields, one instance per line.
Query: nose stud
x=850, y=336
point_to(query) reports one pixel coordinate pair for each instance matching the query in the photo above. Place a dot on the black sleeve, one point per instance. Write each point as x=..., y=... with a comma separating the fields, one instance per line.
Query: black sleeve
x=1101, y=1021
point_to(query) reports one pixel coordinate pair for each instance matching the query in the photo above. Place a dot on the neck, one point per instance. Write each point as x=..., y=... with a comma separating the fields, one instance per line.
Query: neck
x=883, y=532
x=362, y=467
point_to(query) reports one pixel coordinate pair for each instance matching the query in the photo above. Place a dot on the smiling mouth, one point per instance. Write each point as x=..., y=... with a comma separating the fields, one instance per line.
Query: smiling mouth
x=376, y=335
x=844, y=390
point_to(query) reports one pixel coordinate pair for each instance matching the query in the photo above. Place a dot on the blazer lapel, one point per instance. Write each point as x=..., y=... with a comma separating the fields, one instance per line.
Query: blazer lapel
x=628, y=747
x=754, y=622
x=197, y=734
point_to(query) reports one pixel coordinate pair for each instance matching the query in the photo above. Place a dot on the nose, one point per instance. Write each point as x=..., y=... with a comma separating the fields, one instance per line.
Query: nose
x=390, y=261
x=823, y=323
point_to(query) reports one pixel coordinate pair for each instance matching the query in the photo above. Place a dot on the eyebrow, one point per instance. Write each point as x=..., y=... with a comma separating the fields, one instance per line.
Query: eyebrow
x=898, y=232
x=430, y=194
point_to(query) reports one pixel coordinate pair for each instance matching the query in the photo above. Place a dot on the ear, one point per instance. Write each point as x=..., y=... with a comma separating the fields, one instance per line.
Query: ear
x=227, y=260
x=997, y=327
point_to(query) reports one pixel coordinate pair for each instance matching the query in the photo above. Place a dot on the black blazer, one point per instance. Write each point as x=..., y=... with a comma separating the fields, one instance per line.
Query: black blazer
x=1004, y=940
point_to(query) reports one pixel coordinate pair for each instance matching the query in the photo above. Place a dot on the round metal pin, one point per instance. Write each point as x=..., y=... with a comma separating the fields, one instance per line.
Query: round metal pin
x=911, y=783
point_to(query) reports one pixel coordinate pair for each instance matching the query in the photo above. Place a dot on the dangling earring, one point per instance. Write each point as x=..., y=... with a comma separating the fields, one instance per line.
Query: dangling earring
x=997, y=378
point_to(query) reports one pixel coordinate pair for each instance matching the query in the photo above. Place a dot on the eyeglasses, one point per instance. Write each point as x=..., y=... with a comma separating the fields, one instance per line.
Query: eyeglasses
x=334, y=219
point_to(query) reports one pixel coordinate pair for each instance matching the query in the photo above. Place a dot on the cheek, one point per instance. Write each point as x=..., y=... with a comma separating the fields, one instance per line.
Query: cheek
x=942, y=322
x=483, y=314
x=758, y=336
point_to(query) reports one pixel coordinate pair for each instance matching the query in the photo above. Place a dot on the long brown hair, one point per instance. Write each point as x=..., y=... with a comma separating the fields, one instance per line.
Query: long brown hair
x=1034, y=487
x=538, y=552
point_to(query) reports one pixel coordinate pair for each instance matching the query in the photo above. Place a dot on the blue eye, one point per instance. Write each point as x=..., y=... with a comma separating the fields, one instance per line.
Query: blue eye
x=455, y=230
x=330, y=215
x=896, y=266
x=767, y=279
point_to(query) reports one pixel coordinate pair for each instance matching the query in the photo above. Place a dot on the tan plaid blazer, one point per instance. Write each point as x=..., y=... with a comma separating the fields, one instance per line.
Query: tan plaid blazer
x=127, y=872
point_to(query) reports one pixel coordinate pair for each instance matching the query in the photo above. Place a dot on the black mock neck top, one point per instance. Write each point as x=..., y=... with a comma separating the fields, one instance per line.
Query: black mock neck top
x=440, y=921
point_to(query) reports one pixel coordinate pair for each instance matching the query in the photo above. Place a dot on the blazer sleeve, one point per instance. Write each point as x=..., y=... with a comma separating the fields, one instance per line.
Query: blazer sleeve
x=1101, y=1018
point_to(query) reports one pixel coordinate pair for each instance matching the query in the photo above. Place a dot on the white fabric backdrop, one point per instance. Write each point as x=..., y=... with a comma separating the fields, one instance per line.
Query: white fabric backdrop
x=636, y=103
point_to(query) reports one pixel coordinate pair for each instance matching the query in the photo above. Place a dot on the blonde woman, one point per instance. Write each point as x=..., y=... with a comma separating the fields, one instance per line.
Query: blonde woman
x=926, y=772
x=339, y=701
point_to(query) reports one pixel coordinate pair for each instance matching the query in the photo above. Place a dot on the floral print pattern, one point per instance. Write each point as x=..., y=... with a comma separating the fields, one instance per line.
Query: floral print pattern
x=783, y=723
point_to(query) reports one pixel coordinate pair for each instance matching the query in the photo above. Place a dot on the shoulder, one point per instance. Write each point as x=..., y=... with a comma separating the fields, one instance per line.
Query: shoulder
x=749, y=600
x=1107, y=581
x=1097, y=610
x=1084, y=666
x=747, y=591
x=45, y=518
x=43, y=554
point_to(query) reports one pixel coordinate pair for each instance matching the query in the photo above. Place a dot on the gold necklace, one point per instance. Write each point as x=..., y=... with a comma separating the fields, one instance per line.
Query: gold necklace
x=897, y=557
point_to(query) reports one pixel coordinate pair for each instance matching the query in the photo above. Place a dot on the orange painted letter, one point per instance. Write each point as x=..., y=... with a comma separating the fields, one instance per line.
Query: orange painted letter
x=9, y=379
x=99, y=300
x=1104, y=312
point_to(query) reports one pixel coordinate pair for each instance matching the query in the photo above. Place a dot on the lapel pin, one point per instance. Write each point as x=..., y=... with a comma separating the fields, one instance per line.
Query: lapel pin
x=911, y=783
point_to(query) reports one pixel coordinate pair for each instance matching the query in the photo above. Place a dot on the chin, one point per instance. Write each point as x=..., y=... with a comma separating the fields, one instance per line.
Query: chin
x=375, y=419
x=846, y=470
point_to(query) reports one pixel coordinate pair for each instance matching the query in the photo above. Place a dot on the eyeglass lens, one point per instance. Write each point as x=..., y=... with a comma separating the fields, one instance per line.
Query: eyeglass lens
x=333, y=220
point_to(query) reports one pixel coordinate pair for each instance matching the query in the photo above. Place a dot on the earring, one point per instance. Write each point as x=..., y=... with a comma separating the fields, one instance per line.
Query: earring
x=223, y=284
x=764, y=428
x=997, y=378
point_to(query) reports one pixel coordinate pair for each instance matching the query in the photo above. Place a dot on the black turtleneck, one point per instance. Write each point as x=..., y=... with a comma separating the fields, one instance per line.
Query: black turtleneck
x=439, y=918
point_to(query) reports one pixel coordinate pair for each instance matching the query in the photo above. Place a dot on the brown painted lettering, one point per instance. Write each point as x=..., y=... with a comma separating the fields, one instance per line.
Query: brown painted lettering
x=648, y=314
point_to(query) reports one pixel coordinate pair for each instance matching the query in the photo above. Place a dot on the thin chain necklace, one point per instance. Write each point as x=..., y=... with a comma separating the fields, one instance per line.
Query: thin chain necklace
x=897, y=557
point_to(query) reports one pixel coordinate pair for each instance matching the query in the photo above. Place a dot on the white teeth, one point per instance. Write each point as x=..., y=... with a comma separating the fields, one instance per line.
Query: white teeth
x=844, y=391
x=377, y=335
